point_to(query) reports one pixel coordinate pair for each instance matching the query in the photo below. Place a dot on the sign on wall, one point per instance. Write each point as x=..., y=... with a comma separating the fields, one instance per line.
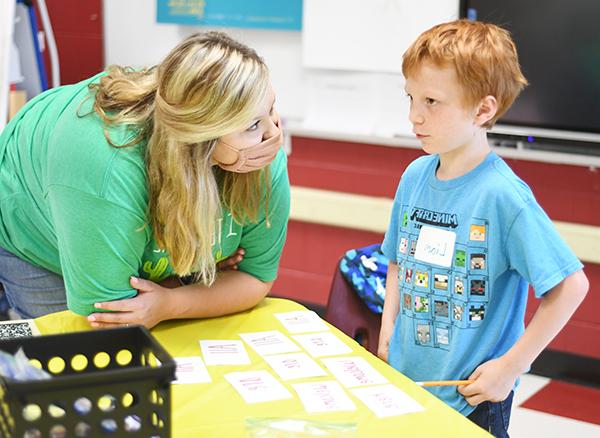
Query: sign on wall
x=262, y=14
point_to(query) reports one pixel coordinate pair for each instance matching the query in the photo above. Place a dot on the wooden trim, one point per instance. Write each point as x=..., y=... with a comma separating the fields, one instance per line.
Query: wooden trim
x=339, y=209
x=370, y=213
x=517, y=153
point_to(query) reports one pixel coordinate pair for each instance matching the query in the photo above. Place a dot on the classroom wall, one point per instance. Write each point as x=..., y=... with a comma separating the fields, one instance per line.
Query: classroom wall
x=130, y=24
x=569, y=194
x=318, y=83
x=78, y=29
x=354, y=167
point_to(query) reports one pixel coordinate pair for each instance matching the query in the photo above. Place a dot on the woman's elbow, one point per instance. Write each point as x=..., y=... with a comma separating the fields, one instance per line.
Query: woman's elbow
x=266, y=287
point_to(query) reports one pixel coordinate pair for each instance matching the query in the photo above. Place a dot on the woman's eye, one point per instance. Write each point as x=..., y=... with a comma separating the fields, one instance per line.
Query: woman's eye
x=429, y=101
x=254, y=126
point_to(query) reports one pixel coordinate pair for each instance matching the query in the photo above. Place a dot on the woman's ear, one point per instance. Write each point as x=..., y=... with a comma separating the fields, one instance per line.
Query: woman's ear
x=486, y=110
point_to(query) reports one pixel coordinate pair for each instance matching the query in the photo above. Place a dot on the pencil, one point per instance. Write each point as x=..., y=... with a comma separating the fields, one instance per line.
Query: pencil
x=445, y=383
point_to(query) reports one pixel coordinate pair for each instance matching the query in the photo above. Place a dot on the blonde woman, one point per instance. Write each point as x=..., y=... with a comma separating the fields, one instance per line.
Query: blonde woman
x=115, y=188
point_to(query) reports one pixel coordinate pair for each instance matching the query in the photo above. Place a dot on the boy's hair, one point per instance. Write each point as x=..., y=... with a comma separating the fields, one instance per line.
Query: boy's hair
x=482, y=54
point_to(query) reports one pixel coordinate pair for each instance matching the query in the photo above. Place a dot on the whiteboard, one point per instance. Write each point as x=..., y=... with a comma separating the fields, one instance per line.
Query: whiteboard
x=357, y=103
x=367, y=35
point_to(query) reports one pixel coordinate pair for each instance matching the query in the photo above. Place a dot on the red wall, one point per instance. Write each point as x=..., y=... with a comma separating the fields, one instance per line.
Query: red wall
x=567, y=193
x=79, y=34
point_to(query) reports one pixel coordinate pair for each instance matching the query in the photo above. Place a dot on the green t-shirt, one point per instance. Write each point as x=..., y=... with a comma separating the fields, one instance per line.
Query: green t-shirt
x=75, y=205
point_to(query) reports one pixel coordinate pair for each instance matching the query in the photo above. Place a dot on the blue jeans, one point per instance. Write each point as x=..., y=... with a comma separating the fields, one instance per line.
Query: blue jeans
x=493, y=417
x=30, y=291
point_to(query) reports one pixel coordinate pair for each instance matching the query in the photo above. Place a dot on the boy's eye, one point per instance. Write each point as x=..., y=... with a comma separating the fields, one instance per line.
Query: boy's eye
x=429, y=101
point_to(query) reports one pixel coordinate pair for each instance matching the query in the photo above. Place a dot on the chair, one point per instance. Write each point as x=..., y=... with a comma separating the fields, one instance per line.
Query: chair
x=347, y=312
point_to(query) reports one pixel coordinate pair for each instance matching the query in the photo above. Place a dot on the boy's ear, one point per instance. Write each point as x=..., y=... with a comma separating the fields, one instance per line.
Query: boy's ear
x=486, y=110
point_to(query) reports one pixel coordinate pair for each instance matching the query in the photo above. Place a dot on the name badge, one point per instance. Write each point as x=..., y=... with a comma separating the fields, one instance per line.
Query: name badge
x=435, y=246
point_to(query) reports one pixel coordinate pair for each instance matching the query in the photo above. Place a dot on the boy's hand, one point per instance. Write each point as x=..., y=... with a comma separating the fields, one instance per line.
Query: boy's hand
x=493, y=381
x=385, y=334
x=383, y=348
x=391, y=307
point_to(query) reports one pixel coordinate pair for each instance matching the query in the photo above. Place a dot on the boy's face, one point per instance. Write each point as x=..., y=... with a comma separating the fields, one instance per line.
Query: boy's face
x=440, y=118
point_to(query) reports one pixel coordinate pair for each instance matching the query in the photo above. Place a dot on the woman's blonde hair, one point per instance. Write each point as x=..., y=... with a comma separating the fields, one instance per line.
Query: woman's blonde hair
x=483, y=55
x=208, y=86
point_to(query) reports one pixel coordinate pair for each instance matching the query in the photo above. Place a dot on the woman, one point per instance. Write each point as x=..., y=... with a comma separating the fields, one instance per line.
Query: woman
x=113, y=185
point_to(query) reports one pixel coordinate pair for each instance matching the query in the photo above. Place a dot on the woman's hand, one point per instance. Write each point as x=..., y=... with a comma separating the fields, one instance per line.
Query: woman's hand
x=147, y=308
x=228, y=264
x=493, y=381
x=231, y=262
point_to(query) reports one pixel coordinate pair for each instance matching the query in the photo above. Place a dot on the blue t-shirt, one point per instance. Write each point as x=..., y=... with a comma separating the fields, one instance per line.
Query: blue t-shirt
x=463, y=288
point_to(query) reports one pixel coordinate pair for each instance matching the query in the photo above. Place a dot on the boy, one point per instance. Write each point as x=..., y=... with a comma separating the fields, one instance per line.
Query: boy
x=466, y=234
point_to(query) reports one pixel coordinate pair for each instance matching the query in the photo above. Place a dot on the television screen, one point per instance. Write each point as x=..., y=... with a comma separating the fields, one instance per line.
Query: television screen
x=558, y=42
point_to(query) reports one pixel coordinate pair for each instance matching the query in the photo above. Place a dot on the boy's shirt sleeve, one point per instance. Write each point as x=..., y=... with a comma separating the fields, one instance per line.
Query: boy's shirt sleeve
x=100, y=246
x=537, y=251
x=263, y=245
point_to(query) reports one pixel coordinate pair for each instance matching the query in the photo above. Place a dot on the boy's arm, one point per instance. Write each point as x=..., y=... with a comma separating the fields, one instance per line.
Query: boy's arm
x=495, y=379
x=391, y=306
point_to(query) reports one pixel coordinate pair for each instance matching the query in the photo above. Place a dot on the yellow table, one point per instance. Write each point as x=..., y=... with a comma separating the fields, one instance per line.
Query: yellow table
x=217, y=410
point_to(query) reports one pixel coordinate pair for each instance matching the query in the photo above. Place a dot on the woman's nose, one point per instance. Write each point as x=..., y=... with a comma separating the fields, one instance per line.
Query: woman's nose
x=273, y=126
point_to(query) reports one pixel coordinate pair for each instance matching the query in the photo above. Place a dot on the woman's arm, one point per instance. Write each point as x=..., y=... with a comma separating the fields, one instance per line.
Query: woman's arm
x=232, y=292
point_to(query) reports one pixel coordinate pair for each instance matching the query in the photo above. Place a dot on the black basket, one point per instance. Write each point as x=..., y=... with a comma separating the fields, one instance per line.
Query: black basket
x=104, y=383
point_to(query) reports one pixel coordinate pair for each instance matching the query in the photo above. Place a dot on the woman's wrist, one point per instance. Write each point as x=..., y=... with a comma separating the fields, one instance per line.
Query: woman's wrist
x=177, y=303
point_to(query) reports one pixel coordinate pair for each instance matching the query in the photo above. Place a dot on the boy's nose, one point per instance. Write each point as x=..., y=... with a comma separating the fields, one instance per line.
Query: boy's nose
x=415, y=118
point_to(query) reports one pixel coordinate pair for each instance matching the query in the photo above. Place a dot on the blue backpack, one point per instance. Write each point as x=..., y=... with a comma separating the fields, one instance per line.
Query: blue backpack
x=365, y=269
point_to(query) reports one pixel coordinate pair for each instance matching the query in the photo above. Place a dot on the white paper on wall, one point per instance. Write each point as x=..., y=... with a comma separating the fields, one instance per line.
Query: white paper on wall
x=357, y=103
x=366, y=36
x=341, y=102
x=392, y=107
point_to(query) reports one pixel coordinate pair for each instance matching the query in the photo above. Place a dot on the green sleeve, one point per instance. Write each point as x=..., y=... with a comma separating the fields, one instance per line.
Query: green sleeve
x=263, y=245
x=100, y=246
